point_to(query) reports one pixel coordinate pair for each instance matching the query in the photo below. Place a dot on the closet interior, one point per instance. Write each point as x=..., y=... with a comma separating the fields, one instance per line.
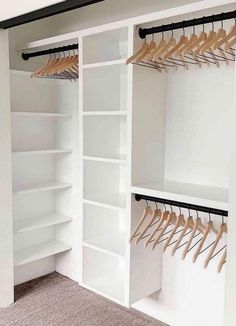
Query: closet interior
x=103, y=132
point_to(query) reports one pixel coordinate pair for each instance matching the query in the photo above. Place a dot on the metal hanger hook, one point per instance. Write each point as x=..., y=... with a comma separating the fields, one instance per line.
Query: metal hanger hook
x=197, y=213
x=222, y=219
x=156, y=205
x=146, y=203
x=189, y=212
x=209, y=218
x=194, y=30
x=162, y=33
x=180, y=213
x=212, y=23
x=183, y=28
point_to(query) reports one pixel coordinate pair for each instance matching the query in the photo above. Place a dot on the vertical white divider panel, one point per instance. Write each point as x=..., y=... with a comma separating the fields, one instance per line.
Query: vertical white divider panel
x=129, y=161
x=6, y=233
x=81, y=171
x=230, y=279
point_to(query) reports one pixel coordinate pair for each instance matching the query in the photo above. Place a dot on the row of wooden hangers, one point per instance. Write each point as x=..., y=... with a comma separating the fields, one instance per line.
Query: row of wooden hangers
x=175, y=231
x=214, y=47
x=59, y=66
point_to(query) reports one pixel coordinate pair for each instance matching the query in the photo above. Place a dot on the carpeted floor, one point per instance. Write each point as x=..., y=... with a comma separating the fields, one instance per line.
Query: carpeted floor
x=56, y=300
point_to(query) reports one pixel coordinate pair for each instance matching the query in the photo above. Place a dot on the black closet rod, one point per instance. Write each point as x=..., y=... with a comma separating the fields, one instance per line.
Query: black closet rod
x=204, y=209
x=143, y=32
x=65, y=48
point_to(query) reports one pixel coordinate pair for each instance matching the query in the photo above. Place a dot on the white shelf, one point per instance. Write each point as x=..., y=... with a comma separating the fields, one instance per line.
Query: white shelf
x=41, y=114
x=105, y=113
x=118, y=160
x=120, y=301
x=41, y=152
x=111, y=244
x=104, y=63
x=108, y=201
x=109, y=285
x=51, y=185
x=29, y=255
x=29, y=224
x=214, y=197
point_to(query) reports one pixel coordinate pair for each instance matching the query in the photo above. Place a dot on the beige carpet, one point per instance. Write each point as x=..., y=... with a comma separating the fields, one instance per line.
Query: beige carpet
x=56, y=300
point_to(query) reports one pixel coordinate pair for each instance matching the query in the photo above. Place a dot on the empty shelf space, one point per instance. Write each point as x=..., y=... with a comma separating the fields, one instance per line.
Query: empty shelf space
x=115, y=160
x=202, y=195
x=104, y=113
x=111, y=243
x=29, y=224
x=51, y=185
x=104, y=63
x=41, y=152
x=108, y=201
x=104, y=273
x=44, y=250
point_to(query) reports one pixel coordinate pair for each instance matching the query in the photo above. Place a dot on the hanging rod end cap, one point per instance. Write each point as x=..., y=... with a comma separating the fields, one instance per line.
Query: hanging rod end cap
x=141, y=33
x=25, y=56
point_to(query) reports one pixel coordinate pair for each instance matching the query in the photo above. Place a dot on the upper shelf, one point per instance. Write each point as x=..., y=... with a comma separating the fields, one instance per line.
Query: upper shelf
x=201, y=195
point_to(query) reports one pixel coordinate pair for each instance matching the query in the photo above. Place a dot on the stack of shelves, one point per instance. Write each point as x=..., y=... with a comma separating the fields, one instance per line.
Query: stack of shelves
x=41, y=152
x=104, y=114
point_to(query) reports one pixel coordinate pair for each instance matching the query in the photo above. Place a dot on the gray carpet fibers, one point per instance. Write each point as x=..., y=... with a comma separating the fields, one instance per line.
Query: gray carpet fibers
x=55, y=300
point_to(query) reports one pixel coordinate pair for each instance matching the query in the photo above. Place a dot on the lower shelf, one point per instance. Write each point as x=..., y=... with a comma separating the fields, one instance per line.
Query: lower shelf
x=109, y=285
x=104, y=274
x=44, y=250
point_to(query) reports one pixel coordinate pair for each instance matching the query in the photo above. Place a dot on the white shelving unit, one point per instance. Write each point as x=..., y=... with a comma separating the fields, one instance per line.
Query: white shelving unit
x=131, y=130
x=44, y=156
x=104, y=112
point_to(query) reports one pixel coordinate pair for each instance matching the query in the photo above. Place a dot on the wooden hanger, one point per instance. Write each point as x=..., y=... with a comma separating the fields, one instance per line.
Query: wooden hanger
x=147, y=211
x=214, y=39
x=198, y=226
x=222, y=230
x=182, y=42
x=143, y=48
x=180, y=221
x=158, y=48
x=52, y=61
x=209, y=228
x=227, y=38
x=230, y=44
x=188, y=225
x=222, y=261
x=63, y=61
x=143, y=55
x=195, y=45
x=67, y=66
x=155, y=215
x=171, y=219
x=163, y=218
x=184, y=50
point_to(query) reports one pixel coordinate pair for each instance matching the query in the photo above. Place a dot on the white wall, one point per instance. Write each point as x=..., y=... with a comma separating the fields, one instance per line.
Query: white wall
x=16, y=8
